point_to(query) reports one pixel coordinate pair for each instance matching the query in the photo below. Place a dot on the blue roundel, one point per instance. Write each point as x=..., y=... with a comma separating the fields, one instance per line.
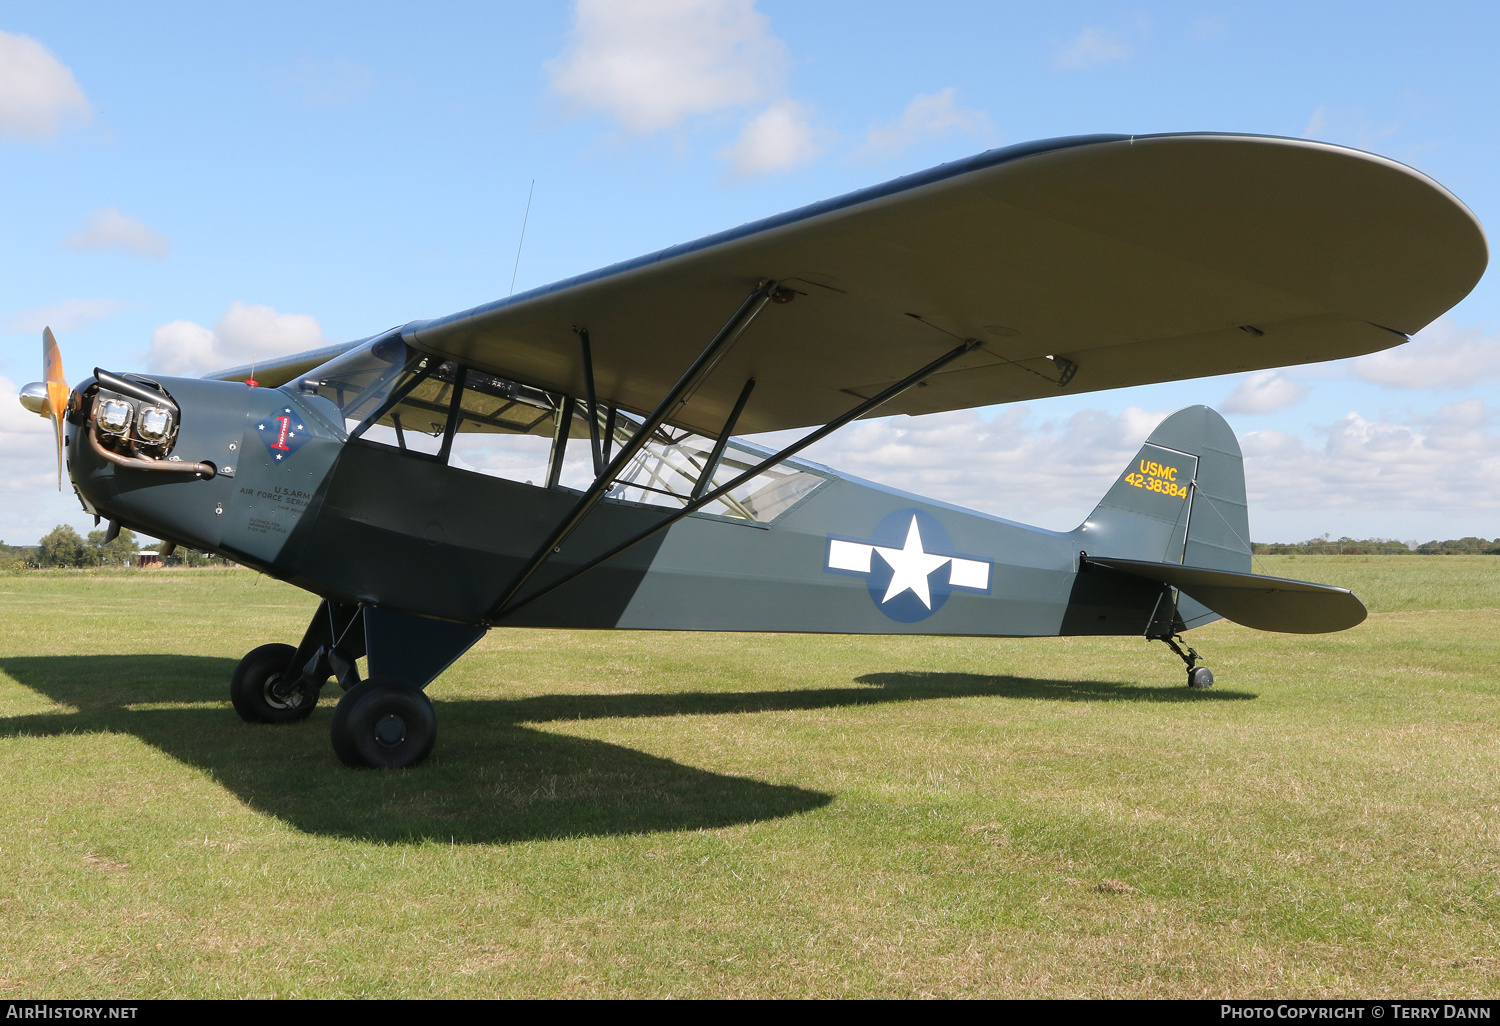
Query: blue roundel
x=909, y=569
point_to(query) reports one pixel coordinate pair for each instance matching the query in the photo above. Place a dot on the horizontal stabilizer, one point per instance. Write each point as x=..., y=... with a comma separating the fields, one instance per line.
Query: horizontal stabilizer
x=1264, y=603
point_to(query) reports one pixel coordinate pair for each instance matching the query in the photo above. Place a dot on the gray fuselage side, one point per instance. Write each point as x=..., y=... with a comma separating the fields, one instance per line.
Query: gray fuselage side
x=360, y=522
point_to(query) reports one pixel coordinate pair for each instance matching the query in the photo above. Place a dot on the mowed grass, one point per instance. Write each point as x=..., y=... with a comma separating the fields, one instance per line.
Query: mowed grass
x=646, y=814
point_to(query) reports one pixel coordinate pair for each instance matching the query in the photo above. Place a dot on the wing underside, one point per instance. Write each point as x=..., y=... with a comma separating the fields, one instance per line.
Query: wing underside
x=1079, y=264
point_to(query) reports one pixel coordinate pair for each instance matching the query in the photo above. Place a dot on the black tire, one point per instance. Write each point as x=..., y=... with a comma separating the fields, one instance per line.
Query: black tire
x=383, y=724
x=1200, y=677
x=250, y=688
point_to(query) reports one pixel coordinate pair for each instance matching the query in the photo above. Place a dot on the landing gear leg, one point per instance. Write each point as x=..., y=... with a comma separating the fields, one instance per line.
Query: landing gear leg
x=1167, y=627
x=280, y=684
x=1198, y=676
x=385, y=722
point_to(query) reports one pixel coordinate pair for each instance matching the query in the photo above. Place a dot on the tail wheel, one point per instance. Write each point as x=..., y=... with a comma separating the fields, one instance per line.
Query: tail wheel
x=253, y=688
x=1200, y=677
x=383, y=724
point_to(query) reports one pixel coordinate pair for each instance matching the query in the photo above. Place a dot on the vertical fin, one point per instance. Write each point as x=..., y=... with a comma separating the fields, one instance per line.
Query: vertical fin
x=1181, y=500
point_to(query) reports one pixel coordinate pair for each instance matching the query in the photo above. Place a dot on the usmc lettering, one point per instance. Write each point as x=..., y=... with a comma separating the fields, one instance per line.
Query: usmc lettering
x=1156, y=477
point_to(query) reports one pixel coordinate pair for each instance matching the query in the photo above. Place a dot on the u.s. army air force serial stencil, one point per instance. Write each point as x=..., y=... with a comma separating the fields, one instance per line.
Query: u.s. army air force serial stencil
x=908, y=564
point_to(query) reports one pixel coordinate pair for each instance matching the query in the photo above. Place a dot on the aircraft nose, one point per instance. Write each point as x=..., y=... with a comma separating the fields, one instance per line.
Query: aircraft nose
x=134, y=422
x=156, y=455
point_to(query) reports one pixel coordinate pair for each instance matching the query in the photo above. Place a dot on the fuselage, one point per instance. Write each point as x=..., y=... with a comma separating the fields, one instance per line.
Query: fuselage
x=363, y=522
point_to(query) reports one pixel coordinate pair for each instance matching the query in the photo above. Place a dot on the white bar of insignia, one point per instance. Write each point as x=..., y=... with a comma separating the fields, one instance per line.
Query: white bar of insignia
x=969, y=573
x=844, y=555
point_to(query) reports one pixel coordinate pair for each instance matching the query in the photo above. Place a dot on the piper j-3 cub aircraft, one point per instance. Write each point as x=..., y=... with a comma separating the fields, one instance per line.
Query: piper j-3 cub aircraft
x=381, y=474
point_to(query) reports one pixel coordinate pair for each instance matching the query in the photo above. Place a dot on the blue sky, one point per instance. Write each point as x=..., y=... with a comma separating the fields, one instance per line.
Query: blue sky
x=185, y=187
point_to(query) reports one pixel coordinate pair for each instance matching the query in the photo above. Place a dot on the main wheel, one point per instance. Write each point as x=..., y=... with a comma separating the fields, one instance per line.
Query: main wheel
x=251, y=689
x=1200, y=677
x=383, y=723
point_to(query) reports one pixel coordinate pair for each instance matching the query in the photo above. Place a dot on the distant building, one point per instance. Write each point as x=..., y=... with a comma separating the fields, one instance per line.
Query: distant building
x=147, y=558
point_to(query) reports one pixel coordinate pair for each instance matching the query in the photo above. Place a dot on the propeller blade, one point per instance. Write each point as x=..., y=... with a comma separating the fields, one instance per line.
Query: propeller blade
x=57, y=392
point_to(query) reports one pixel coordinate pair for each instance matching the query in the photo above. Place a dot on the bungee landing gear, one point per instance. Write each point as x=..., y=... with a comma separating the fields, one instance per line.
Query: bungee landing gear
x=383, y=722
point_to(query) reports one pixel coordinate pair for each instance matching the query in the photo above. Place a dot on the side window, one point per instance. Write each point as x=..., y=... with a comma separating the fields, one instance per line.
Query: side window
x=667, y=470
x=504, y=429
x=388, y=394
x=418, y=422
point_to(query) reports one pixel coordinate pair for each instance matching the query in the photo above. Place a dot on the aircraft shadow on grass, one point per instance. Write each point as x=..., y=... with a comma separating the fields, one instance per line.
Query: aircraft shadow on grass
x=495, y=777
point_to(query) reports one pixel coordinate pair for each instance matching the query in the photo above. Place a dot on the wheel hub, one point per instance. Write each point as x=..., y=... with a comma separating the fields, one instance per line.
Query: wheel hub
x=275, y=699
x=390, y=731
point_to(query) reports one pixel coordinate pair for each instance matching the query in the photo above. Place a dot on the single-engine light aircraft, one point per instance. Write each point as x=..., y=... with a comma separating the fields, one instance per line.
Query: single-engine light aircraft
x=567, y=457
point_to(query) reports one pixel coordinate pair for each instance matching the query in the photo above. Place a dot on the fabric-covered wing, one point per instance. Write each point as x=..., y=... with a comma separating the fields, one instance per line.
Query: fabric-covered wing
x=281, y=369
x=1138, y=259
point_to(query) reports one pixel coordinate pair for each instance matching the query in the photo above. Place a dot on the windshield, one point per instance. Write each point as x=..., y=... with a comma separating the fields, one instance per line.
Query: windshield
x=359, y=382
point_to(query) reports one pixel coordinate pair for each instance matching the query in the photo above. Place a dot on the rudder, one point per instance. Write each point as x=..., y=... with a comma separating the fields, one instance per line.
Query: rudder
x=1181, y=500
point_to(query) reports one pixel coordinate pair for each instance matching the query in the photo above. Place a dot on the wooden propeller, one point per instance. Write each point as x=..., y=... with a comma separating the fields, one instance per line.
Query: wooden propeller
x=57, y=393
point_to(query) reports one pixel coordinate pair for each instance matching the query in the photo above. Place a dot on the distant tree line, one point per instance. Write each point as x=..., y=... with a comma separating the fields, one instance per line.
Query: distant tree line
x=65, y=547
x=1346, y=546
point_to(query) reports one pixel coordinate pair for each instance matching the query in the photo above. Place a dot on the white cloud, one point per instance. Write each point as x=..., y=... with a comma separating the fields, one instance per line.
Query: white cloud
x=1265, y=392
x=1421, y=475
x=107, y=228
x=1209, y=27
x=184, y=347
x=650, y=64
x=330, y=83
x=38, y=93
x=780, y=137
x=68, y=315
x=1317, y=124
x=28, y=443
x=1442, y=356
x=30, y=503
x=1447, y=463
x=1351, y=126
x=245, y=333
x=928, y=116
x=1093, y=46
x=1051, y=473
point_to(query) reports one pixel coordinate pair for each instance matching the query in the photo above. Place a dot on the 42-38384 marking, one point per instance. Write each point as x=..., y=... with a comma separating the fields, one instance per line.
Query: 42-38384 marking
x=1156, y=477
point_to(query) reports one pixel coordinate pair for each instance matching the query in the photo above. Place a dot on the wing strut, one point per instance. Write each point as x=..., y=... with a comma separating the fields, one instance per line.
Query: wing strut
x=501, y=610
x=593, y=401
x=718, y=453
x=675, y=397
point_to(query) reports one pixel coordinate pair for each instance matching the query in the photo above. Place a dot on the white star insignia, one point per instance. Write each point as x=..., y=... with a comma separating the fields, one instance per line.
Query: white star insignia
x=911, y=565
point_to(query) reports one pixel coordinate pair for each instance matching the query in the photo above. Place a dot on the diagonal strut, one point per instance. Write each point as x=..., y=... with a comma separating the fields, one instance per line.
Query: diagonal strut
x=669, y=403
x=502, y=610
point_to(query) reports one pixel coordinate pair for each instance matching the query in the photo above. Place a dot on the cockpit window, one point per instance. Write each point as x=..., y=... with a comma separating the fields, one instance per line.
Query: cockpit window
x=668, y=470
x=389, y=394
x=359, y=382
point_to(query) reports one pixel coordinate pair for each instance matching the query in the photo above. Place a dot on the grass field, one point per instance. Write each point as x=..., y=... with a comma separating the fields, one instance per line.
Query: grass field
x=720, y=815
